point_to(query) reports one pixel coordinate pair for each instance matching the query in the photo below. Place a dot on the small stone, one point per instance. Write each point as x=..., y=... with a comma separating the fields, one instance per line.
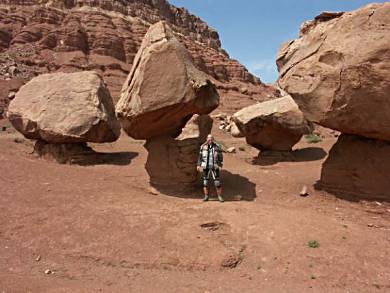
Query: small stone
x=231, y=150
x=13, y=70
x=220, y=116
x=238, y=197
x=11, y=95
x=38, y=258
x=48, y=272
x=153, y=191
x=304, y=191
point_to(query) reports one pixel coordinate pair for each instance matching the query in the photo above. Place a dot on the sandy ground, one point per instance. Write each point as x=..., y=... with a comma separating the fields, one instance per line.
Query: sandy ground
x=101, y=228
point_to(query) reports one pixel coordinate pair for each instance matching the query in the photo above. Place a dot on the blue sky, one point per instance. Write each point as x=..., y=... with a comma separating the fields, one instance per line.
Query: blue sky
x=252, y=30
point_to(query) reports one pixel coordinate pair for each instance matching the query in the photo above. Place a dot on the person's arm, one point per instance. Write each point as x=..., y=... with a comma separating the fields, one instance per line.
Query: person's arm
x=220, y=157
x=198, y=166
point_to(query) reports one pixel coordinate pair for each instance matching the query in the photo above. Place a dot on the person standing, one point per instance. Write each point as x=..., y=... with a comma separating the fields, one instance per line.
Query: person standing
x=210, y=162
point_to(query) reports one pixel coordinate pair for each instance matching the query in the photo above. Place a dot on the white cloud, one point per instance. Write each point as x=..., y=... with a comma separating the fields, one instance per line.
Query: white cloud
x=262, y=65
x=264, y=68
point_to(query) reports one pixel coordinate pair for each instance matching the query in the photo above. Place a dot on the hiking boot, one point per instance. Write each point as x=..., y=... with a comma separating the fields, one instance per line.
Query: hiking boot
x=220, y=198
x=206, y=198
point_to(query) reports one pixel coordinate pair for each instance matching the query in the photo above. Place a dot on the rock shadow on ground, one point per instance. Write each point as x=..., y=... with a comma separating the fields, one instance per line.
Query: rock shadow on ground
x=99, y=158
x=267, y=158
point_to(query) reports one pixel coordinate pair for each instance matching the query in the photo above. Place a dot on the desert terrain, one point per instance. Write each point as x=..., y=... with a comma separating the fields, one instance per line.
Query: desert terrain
x=102, y=228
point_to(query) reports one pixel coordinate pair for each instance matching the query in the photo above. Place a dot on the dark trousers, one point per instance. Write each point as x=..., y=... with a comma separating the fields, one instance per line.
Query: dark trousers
x=214, y=173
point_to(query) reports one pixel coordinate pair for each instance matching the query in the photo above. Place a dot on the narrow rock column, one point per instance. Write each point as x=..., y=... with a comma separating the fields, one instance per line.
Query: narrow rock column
x=172, y=161
x=359, y=167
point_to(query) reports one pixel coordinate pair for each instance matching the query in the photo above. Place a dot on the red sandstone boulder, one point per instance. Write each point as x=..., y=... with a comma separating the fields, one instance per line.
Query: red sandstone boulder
x=272, y=125
x=65, y=108
x=163, y=89
x=338, y=71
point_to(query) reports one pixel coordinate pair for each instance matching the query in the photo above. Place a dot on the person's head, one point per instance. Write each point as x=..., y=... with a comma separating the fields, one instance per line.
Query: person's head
x=210, y=139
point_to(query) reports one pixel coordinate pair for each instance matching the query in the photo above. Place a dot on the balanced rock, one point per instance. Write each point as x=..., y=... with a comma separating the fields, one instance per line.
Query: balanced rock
x=163, y=89
x=338, y=71
x=172, y=161
x=357, y=167
x=272, y=125
x=65, y=108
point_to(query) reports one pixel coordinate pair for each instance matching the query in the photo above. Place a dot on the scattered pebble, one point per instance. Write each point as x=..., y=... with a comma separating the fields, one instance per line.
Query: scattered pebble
x=304, y=191
x=38, y=258
x=231, y=150
x=238, y=197
x=153, y=191
x=11, y=95
x=48, y=272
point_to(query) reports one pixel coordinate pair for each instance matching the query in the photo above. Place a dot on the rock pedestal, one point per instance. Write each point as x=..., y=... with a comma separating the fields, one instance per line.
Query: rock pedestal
x=359, y=167
x=171, y=162
x=64, y=153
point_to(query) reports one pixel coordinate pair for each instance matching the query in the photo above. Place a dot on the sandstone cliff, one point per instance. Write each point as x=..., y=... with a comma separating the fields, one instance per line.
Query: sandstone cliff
x=41, y=36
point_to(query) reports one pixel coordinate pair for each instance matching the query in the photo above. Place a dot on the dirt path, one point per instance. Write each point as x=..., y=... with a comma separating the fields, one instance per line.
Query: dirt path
x=101, y=228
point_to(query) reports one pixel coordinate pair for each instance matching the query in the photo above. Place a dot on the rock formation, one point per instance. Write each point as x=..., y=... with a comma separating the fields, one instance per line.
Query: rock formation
x=159, y=99
x=42, y=36
x=338, y=72
x=359, y=167
x=272, y=125
x=172, y=161
x=64, y=108
x=164, y=89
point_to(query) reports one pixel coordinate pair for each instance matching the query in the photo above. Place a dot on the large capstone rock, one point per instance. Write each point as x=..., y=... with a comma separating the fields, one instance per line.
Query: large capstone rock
x=338, y=71
x=357, y=167
x=163, y=89
x=172, y=161
x=65, y=108
x=272, y=125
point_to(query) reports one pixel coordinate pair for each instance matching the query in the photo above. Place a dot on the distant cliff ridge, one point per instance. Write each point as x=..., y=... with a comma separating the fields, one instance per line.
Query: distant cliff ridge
x=71, y=35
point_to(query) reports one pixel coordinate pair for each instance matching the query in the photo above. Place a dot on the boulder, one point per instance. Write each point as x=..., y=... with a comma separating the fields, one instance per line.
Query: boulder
x=172, y=161
x=272, y=125
x=163, y=89
x=338, y=71
x=357, y=167
x=65, y=108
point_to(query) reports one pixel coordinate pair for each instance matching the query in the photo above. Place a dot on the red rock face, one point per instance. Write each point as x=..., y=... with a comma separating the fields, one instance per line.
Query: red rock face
x=73, y=35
